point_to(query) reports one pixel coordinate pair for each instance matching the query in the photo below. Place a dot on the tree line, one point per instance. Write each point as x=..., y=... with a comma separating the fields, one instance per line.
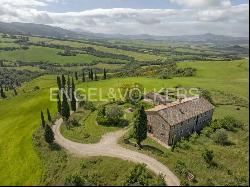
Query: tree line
x=10, y=79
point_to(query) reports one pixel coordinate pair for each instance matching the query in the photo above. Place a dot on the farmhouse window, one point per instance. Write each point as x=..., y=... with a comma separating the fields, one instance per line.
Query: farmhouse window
x=150, y=129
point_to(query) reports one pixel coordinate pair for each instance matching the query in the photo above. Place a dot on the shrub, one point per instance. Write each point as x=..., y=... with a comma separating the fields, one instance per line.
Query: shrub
x=221, y=137
x=132, y=93
x=36, y=88
x=184, y=144
x=181, y=168
x=206, y=95
x=159, y=181
x=207, y=131
x=73, y=122
x=193, y=137
x=88, y=105
x=215, y=125
x=208, y=156
x=114, y=113
x=230, y=123
x=138, y=176
x=76, y=180
x=110, y=116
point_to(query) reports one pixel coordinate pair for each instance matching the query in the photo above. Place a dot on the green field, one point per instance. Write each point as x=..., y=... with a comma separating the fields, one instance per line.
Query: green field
x=9, y=45
x=136, y=55
x=225, y=76
x=20, y=116
x=29, y=68
x=44, y=54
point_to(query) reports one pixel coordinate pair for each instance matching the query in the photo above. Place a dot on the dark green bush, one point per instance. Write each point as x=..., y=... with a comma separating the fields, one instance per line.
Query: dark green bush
x=221, y=137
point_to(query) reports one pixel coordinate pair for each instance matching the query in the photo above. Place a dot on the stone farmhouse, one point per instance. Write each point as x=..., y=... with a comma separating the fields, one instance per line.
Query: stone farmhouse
x=171, y=121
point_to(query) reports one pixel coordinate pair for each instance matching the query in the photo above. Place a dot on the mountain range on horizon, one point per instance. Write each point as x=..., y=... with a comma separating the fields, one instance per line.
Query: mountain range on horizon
x=51, y=31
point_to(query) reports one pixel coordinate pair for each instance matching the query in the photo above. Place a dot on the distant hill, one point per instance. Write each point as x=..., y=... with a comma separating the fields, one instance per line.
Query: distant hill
x=50, y=31
x=36, y=30
x=203, y=38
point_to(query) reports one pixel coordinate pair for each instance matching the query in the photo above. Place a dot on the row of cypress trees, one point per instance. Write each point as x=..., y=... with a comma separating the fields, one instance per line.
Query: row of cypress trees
x=2, y=93
x=63, y=107
x=91, y=75
x=48, y=132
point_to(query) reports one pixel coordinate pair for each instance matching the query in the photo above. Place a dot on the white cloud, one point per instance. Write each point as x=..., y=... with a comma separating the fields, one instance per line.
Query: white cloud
x=217, y=18
x=26, y=3
x=202, y=3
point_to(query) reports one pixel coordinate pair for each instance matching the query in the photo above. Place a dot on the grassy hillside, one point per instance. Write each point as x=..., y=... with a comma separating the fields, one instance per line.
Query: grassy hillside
x=225, y=76
x=20, y=116
x=136, y=55
x=36, y=54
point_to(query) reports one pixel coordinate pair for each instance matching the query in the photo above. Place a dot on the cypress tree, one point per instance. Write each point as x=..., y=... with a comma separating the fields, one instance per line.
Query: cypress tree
x=91, y=74
x=49, y=134
x=96, y=78
x=73, y=84
x=76, y=76
x=59, y=83
x=83, y=76
x=59, y=104
x=65, y=107
x=2, y=94
x=69, y=87
x=42, y=120
x=15, y=92
x=63, y=82
x=1, y=63
x=49, y=116
x=140, y=126
x=73, y=99
x=104, y=74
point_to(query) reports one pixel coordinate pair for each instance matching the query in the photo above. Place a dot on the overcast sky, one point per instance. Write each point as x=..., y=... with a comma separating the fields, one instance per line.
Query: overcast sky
x=154, y=17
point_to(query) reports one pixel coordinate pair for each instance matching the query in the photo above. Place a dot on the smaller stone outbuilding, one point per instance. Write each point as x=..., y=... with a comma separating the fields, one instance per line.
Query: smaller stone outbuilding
x=172, y=121
x=157, y=98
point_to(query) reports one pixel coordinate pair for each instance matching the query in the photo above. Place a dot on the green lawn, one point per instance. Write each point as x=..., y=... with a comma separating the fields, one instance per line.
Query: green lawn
x=88, y=132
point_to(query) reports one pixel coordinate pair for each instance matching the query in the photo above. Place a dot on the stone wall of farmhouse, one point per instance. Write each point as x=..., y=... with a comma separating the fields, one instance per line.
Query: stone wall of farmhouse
x=159, y=128
x=203, y=120
x=183, y=129
x=187, y=127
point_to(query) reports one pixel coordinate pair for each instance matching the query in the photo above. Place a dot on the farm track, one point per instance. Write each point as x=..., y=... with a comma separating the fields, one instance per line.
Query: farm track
x=108, y=146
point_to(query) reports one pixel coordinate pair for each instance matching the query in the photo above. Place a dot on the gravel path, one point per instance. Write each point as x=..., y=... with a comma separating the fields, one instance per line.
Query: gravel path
x=108, y=147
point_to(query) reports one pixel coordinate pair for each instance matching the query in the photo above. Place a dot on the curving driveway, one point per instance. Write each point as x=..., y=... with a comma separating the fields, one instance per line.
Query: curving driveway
x=108, y=147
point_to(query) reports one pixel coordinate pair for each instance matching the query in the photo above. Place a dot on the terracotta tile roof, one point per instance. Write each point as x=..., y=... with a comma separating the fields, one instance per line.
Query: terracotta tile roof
x=177, y=112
